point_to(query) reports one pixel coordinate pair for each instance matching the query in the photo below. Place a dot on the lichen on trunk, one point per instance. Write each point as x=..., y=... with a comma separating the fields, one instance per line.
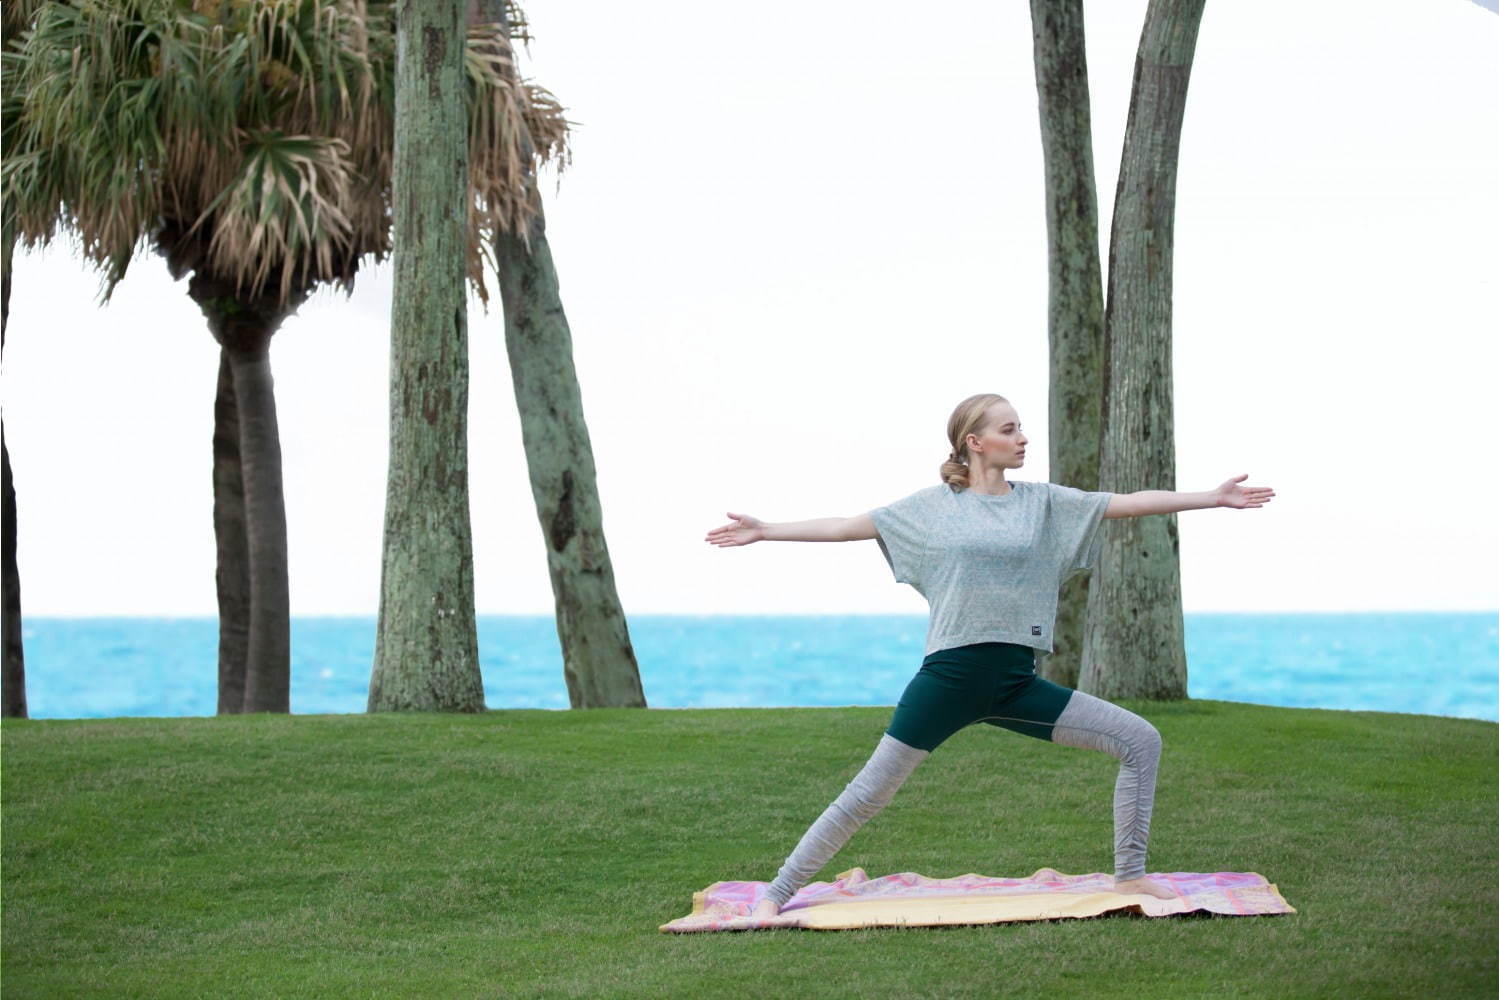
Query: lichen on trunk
x=1075, y=290
x=1133, y=643
x=598, y=661
x=426, y=644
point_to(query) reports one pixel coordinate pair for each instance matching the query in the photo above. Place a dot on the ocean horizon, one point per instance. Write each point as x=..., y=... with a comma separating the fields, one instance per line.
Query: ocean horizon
x=1433, y=663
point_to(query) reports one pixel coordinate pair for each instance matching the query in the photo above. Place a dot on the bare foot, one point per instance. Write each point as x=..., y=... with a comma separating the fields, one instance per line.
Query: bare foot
x=765, y=909
x=1144, y=886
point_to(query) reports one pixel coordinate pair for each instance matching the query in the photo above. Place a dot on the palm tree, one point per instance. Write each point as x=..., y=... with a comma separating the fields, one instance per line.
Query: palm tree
x=598, y=659
x=1119, y=634
x=14, y=19
x=1133, y=645
x=249, y=142
x=1075, y=289
x=427, y=642
x=13, y=678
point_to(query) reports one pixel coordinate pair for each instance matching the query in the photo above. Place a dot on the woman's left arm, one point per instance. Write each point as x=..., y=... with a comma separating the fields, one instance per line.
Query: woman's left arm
x=1230, y=494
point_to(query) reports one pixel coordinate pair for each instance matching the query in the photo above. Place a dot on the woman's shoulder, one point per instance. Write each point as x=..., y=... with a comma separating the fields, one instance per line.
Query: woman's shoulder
x=928, y=497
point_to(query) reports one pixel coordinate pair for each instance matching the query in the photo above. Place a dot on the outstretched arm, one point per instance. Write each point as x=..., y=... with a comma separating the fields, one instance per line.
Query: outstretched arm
x=744, y=530
x=1230, y=494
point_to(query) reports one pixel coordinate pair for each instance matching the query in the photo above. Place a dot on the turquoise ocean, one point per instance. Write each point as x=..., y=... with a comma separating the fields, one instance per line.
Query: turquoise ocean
x=1427, y=663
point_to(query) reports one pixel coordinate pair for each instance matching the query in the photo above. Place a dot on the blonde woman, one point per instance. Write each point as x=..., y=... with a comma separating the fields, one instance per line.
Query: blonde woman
x=989, y=555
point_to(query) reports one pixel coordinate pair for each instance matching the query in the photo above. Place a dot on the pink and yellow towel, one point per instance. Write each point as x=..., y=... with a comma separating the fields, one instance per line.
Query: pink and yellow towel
x=912, y=900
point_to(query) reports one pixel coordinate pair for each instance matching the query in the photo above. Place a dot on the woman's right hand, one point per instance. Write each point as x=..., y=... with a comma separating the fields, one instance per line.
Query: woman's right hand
x=741, y=531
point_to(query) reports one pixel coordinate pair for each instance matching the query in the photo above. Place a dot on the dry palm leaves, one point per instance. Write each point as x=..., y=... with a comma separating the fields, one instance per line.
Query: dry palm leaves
x=254, y=136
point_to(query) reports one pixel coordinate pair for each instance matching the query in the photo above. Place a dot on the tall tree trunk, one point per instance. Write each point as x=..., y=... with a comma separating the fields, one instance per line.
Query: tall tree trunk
x=244, y=327
x=1133, y=643
x=598, y=661
x=427, y=645
x=1075, y=300
x=232, y=575
x=13, y=681
x=268, y=648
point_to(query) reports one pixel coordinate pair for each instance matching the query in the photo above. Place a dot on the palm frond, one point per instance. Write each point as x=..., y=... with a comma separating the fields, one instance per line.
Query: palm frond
x=284, y=208
x=253, y=136
x=16, y=16
x=514, y=128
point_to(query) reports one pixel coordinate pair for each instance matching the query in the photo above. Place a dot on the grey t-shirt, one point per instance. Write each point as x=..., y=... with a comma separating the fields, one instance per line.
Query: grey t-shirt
x=991, y=566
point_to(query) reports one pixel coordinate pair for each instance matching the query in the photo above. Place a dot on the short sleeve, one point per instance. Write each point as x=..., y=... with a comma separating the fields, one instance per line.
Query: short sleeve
x=1074, y=526
x=903, y=528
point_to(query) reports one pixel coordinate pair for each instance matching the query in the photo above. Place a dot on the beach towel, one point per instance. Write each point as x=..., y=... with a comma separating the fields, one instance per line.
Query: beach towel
x=910, y=900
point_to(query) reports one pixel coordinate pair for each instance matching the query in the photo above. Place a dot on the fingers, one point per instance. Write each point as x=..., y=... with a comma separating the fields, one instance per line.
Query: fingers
x=725, y=534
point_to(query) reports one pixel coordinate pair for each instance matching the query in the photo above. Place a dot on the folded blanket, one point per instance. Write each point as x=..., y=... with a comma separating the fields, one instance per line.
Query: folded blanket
x=912, y=900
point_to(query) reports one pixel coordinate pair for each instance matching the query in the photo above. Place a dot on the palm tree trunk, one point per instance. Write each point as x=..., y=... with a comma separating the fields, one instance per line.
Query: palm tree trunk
x=427, y=644
x=1075, y=305
x=13, y=680
x=268, y=646
x=598, y=661
x=244, y=327
x=1133, y=643
x=232, y=575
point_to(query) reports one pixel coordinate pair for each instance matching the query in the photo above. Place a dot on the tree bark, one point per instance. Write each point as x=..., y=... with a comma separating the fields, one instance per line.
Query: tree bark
x=1075, y=290
x=598, y=661
x=427, y=646
x=268, y=647
x=250, y=502
x=13, y=681
x=231, y=535
x=1134, y=645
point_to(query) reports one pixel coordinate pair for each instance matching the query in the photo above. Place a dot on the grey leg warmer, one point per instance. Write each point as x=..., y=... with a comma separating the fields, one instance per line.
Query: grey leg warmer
x=1099, y=725
x=869, y=792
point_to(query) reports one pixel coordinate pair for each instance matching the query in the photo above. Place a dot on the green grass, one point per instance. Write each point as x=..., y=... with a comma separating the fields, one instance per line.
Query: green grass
x=535, y=853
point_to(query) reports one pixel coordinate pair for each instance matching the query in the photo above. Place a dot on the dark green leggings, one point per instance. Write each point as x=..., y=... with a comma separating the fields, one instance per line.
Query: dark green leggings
x=993, y=682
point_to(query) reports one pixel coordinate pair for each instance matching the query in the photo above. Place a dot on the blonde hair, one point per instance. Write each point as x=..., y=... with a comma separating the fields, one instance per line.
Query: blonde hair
x=967, y=418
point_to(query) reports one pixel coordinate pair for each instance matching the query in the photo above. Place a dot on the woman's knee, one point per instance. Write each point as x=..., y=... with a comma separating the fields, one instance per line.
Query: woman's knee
x=1144, y=741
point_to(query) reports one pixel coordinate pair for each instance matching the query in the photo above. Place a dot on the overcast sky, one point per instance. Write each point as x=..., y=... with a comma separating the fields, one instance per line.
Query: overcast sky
x=789, y=247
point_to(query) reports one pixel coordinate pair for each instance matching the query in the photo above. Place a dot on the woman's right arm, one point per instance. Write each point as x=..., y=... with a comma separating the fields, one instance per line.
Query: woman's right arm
x=822, y=529
x=745, y=529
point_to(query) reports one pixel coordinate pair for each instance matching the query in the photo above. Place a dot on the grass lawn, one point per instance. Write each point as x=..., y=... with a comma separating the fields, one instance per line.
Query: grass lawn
x=535, y=853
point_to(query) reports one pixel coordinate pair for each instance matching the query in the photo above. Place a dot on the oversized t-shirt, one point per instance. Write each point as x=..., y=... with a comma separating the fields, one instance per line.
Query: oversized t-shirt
x=990, y=566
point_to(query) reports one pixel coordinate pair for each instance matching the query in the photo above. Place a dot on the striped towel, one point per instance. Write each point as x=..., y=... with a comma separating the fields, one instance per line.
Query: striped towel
x=912, y=900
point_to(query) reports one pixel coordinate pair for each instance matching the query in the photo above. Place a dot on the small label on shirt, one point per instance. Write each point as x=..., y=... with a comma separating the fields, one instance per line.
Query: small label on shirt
x=1035, y=630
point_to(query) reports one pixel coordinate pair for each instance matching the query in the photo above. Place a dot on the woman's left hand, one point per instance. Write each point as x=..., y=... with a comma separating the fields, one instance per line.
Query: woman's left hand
x=1231, y=494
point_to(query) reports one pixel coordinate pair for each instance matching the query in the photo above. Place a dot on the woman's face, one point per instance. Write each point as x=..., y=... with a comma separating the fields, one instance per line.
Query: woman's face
x=1001, y=442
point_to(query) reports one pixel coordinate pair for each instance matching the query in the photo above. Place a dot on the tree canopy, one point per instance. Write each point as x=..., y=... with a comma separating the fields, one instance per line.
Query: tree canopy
x=250, y=136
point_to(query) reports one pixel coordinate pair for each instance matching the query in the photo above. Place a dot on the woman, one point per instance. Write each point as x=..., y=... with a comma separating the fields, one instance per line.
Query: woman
x=989, y=556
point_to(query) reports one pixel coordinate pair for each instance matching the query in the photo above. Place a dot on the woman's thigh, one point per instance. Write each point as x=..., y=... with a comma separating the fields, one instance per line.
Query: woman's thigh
x=966, y=684
x=1030, y=706
x=941, y=699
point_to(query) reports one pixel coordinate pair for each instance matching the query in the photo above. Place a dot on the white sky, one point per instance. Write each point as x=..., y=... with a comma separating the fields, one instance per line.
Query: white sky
x=788, y=247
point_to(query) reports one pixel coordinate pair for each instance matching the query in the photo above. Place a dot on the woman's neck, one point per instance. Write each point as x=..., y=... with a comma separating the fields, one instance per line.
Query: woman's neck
x=994, y=486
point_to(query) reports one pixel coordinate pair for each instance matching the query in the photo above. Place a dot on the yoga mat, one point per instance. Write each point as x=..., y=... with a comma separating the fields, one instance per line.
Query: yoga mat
x=911, y=900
